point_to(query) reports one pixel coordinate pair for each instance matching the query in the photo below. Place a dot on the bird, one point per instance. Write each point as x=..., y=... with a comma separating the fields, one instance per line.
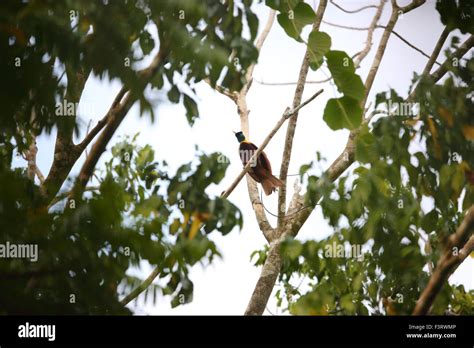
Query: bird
x=261, y=171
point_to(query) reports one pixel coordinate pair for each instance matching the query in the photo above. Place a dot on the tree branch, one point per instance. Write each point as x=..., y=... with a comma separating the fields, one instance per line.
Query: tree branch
x=461, y=51
x=223, y=90
x=414, y=4
x=379, y=55
x=405, y=41
x=115, y=116
x=261, y=82
x=459, y=246
x=436, y=51
x=373, y=24
x=290, y=132
x=352, y=11
x=240, y=99
x=266, y=281
x=146, y=283
x=65, y=152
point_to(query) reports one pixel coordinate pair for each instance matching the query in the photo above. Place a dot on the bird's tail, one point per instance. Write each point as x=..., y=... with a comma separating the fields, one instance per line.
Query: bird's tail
x=270, y=184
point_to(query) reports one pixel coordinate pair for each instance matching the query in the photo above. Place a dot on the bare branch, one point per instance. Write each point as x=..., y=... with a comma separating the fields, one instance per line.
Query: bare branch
x=414, y=4
x=240, y=99
x=461, y=51
x=459, y=246
x=411, y=45
x=146, y=283
x=30, y=156
x=115, y=115
x=222, y=90
x=258, y=45
x=373, y=24
x=290, y=132
x=91, y=135
x=342, y=26
x=405, y=41
x=379, y=54
x=291, y=83
x=65, y=152
x=436, y=51
x=352, y=11
x=266, y=30
x=39, y=174
x=266, y=280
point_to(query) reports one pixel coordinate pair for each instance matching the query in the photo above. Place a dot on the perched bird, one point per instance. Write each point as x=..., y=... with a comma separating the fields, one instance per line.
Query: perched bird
x=261, y=170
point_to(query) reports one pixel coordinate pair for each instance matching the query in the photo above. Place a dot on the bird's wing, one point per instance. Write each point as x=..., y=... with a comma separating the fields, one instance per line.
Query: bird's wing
x=246, y=151
x=264, y=162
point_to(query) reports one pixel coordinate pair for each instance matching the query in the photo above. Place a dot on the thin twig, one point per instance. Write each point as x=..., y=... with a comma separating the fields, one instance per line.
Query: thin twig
x=370, y=32
x=146, y=283
x=291, y=83
x=408, y=43
x=352, y=11
x=222, y=90
x=436, y=51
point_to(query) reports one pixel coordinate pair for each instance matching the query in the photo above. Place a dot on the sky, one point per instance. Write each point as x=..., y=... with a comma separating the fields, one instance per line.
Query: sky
x=225, y=286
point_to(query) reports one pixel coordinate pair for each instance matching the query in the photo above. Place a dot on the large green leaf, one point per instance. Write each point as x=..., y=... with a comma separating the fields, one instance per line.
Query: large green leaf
x=344, y=112
x=343, y=72
x=319, y=44
x=295, y=20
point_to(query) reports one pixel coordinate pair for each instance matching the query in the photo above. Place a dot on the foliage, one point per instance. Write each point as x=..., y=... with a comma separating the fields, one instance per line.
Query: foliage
x=391, y=216
x=39, y=38
x=140, y=211
x=136, y=214
x=342, y=112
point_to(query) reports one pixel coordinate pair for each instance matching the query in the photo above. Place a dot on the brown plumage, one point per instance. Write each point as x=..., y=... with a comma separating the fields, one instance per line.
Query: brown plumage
x=261, y=171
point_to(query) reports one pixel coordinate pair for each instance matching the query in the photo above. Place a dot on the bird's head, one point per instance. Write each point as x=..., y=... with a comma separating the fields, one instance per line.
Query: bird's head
x=240, y=136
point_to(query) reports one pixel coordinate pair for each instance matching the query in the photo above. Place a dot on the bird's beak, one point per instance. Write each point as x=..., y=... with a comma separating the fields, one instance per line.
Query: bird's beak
x=234, y=132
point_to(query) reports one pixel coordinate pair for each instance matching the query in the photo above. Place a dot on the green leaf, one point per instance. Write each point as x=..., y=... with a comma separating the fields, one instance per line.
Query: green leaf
x=282, y=5
x=342, y=113
x=174, y=95
x=304, y=168
x=295, y=20
x=252, y=21
x=192, y=111
x=146, y=42
x=319, y=44
x=342, y=70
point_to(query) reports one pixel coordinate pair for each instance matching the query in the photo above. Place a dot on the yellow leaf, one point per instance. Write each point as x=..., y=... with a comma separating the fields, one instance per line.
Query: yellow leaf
x=434, y=133
x=468, y=132
x=186, y=219
x=446, y=116
x=195, y=227
x=412, y=122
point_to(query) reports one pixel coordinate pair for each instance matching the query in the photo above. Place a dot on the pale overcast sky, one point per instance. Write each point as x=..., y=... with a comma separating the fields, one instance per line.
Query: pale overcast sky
x=225, y=287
